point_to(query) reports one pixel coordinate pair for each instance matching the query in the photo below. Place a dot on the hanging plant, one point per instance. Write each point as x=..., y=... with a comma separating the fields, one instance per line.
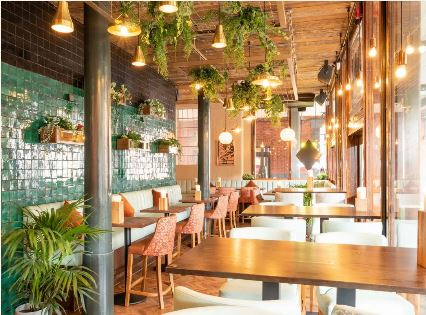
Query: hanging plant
x=239, y=24
x=152, y=107
x=120, y=95
x=210, y=79
x=159, y=31
x=274, y=109
x=246, y=97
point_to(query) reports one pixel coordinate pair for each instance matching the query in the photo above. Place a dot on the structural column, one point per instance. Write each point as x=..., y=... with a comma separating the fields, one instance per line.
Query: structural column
x=97, y=157
x=295, y=125
x=204, y=144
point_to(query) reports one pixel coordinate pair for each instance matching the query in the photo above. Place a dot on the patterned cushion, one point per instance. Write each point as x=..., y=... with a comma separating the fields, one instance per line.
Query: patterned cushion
x=196, y=220
x=348, y=310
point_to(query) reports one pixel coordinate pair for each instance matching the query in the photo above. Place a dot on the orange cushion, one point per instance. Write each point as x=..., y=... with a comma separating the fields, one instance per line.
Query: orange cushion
x=251, y=184
x=75, y=218
x=156, y=197
x=129, y=211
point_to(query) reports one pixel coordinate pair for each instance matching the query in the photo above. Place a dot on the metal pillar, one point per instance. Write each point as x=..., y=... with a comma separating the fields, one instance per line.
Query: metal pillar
x=295, y=125
x=97, y=157
x=204, y=144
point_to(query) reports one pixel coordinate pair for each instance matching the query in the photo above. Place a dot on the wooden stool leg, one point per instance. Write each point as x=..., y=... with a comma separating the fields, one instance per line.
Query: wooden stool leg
x=159, y=283
x=193, y=240
x=129, y=279
x=145, y=270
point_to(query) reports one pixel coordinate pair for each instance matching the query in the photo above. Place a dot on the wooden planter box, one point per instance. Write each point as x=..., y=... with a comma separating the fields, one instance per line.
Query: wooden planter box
x=127, y=144
x=146, y=110
x=59, y=135
x=165, y=148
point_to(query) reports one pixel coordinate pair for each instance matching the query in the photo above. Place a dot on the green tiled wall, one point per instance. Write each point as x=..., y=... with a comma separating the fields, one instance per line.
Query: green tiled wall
x=33, y=173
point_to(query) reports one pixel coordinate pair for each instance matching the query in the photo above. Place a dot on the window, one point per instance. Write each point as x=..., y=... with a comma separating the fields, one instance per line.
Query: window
x=187, y=134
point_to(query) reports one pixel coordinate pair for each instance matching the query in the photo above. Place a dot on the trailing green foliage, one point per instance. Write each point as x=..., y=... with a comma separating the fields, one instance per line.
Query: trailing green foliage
x=274, y=109
x=159, y=31
x=57, y=121
x=132, y=135
x=173, y=142
x=248, y=176
x=211, y=80
x=246, y=97
x=36, y=255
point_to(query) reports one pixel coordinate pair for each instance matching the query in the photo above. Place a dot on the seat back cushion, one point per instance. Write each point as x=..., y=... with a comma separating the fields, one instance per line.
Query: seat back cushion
x=174, y=191
x=406, y=233
x=344, y=226
x=141, y=199
x=261, y=233
x=290, y=198
x=296, y=226
x=354, y=238
x=330, y=197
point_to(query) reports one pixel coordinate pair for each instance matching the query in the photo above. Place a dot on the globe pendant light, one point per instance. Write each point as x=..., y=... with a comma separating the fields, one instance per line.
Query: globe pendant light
x=219, y=39
x=168, y=7
x=138, y=58
x=62, y=22
x=225, y=137
x=287, y=134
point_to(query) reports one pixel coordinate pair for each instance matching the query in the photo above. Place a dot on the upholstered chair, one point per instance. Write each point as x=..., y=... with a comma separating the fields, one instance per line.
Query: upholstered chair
x=160, y=244
x=218, y=215
x=193, y=226
x=233, y=208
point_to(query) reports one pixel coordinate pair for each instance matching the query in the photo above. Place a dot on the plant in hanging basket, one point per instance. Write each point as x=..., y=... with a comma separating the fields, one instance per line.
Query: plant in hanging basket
x=247, y=97
x=169, y=145
x=273, y=109
x=152, y=107
x=209, y=79
x=55, y=129
x=120, y=95
x=129, y=141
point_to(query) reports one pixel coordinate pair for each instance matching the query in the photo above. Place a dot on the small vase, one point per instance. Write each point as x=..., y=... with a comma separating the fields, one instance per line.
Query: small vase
x=22, y=310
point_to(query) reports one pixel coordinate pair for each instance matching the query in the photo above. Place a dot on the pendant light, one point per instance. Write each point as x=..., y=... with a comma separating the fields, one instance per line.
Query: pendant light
x=138, y=58
x=124, y=27
x=168, y=7
x=422, y=48
x=409, y=48
x=225, y=137
x=266, y=79
x=321, y=97
x=325, y=73
x=287, y=134
x=62, y=22
x=401, y=57
x=372, y=52
x=340, y=91
x=219, y=39
x=377, y=83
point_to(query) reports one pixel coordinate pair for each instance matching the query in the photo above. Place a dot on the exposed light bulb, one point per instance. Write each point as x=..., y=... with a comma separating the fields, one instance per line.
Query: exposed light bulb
x=401, y=61
x=348, y=86
x=372, y=52
x=197, y=86
x=401, y=71
x=340, y=91
x=225, y=137
x=409, y=49
x=359, y=83
x=377, y=84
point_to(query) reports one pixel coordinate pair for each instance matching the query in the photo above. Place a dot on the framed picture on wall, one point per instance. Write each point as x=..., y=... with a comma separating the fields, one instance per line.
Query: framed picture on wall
x=225, y=154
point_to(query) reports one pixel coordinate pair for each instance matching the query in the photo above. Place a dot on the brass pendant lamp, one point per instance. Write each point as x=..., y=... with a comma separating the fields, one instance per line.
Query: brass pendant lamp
x=124, y=27
x=62, y=22
x=401, y=57
x=138, y=58
x=219, y=39
x=168, y=7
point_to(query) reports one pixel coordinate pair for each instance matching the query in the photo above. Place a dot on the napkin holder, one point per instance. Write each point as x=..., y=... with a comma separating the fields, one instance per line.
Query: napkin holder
x=117, y=209
x=421, y=240
x=197, y=195
x=163, y=204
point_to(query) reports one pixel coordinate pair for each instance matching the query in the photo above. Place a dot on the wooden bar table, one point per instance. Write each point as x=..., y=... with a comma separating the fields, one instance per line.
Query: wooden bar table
x=209, y=202
x=129, y=224
x=347, y=267
x=323, y=212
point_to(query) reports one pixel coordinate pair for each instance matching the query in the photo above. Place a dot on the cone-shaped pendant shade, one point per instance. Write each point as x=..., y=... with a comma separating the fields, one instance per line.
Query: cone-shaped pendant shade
x=138, y=58
x=168, y=6
x=228, y=103
x=124, y=28
x=62, y=21
x=219, y=40
x=267, y=80
x=308, y=155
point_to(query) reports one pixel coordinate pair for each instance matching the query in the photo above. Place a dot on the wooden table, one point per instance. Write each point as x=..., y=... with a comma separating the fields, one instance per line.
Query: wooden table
x=129, y=224
x=171, y=210
x=347, y=267
x=209, y=202
x=324, y=212
x=305, y=190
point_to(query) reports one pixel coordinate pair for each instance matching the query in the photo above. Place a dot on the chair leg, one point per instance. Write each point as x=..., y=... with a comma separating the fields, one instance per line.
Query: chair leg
x=145, y=270
x=231, y=219
x=199, y=238
x=172, y=283
x=224, y=227
x=235, y=219
x=159, y=283
x=219, y=223
x=179, y=243
x=193, y=240
x=129, y=279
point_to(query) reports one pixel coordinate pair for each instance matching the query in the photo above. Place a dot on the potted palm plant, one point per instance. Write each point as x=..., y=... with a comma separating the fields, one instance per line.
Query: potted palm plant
x=38, y=257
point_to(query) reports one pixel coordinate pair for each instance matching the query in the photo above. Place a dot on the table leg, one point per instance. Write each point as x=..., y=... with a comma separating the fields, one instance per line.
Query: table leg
x=270, y=291
x=346, y=296
x=119, y=297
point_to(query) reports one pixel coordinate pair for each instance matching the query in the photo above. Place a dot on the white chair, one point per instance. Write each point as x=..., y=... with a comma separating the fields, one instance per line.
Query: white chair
x=348, y=310
x=336, y=198
x=406, y=233
x=344, y=226
x=377, y=302
x=252, y=290
x=223, y=310
x=296, y=226
x=290, y=198
x=184, y=298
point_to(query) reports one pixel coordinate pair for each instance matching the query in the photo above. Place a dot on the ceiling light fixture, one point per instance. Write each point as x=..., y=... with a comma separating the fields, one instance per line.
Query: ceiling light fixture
x=62, y=22
x=138, y=58
x=321, y=97
x=325, y=73
x=401, y=57
x=124, y=28
x=225, y=137
x=348, y=86
x=340, y=91
x=409, y=49
x=168, y=6
x=287, y=134
x=219, y=39
x=372, y=53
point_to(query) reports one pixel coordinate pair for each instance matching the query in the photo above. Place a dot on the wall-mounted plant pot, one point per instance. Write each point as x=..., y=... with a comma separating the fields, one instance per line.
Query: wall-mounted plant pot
x=127, y=144
x=166, y=148
x=60, y=135
x=148, y=110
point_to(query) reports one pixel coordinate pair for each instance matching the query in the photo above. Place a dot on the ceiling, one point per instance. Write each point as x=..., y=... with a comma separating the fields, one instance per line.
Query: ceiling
x=316, y=37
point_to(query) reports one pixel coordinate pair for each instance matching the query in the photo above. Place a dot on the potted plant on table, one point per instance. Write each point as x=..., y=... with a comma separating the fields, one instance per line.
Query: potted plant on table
x=248, y=176
x=152, y=107
x=38, y=256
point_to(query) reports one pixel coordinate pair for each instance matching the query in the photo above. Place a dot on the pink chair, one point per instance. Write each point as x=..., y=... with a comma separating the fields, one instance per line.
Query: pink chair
x=225, y=191
x=232, y=208
x=160, y=244
x=193, y=226
x=248, y=197
x=219, y=214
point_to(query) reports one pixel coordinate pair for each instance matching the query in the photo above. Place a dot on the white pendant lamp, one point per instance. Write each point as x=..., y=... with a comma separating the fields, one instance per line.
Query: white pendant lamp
x=287, y=134
x=225, y=137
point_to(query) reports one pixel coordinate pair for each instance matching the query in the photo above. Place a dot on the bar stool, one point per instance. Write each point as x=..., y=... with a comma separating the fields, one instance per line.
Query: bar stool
x=218, y=215
x=232, y=208
x=194, y=226
x=160, y=244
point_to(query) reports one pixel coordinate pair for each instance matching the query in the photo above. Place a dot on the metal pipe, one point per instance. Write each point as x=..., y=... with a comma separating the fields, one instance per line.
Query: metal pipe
x=97, y=157
x=204, y=144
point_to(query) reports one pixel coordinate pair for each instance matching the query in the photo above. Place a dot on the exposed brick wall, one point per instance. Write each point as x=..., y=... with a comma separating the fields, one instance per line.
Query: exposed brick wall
x=29, y=43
